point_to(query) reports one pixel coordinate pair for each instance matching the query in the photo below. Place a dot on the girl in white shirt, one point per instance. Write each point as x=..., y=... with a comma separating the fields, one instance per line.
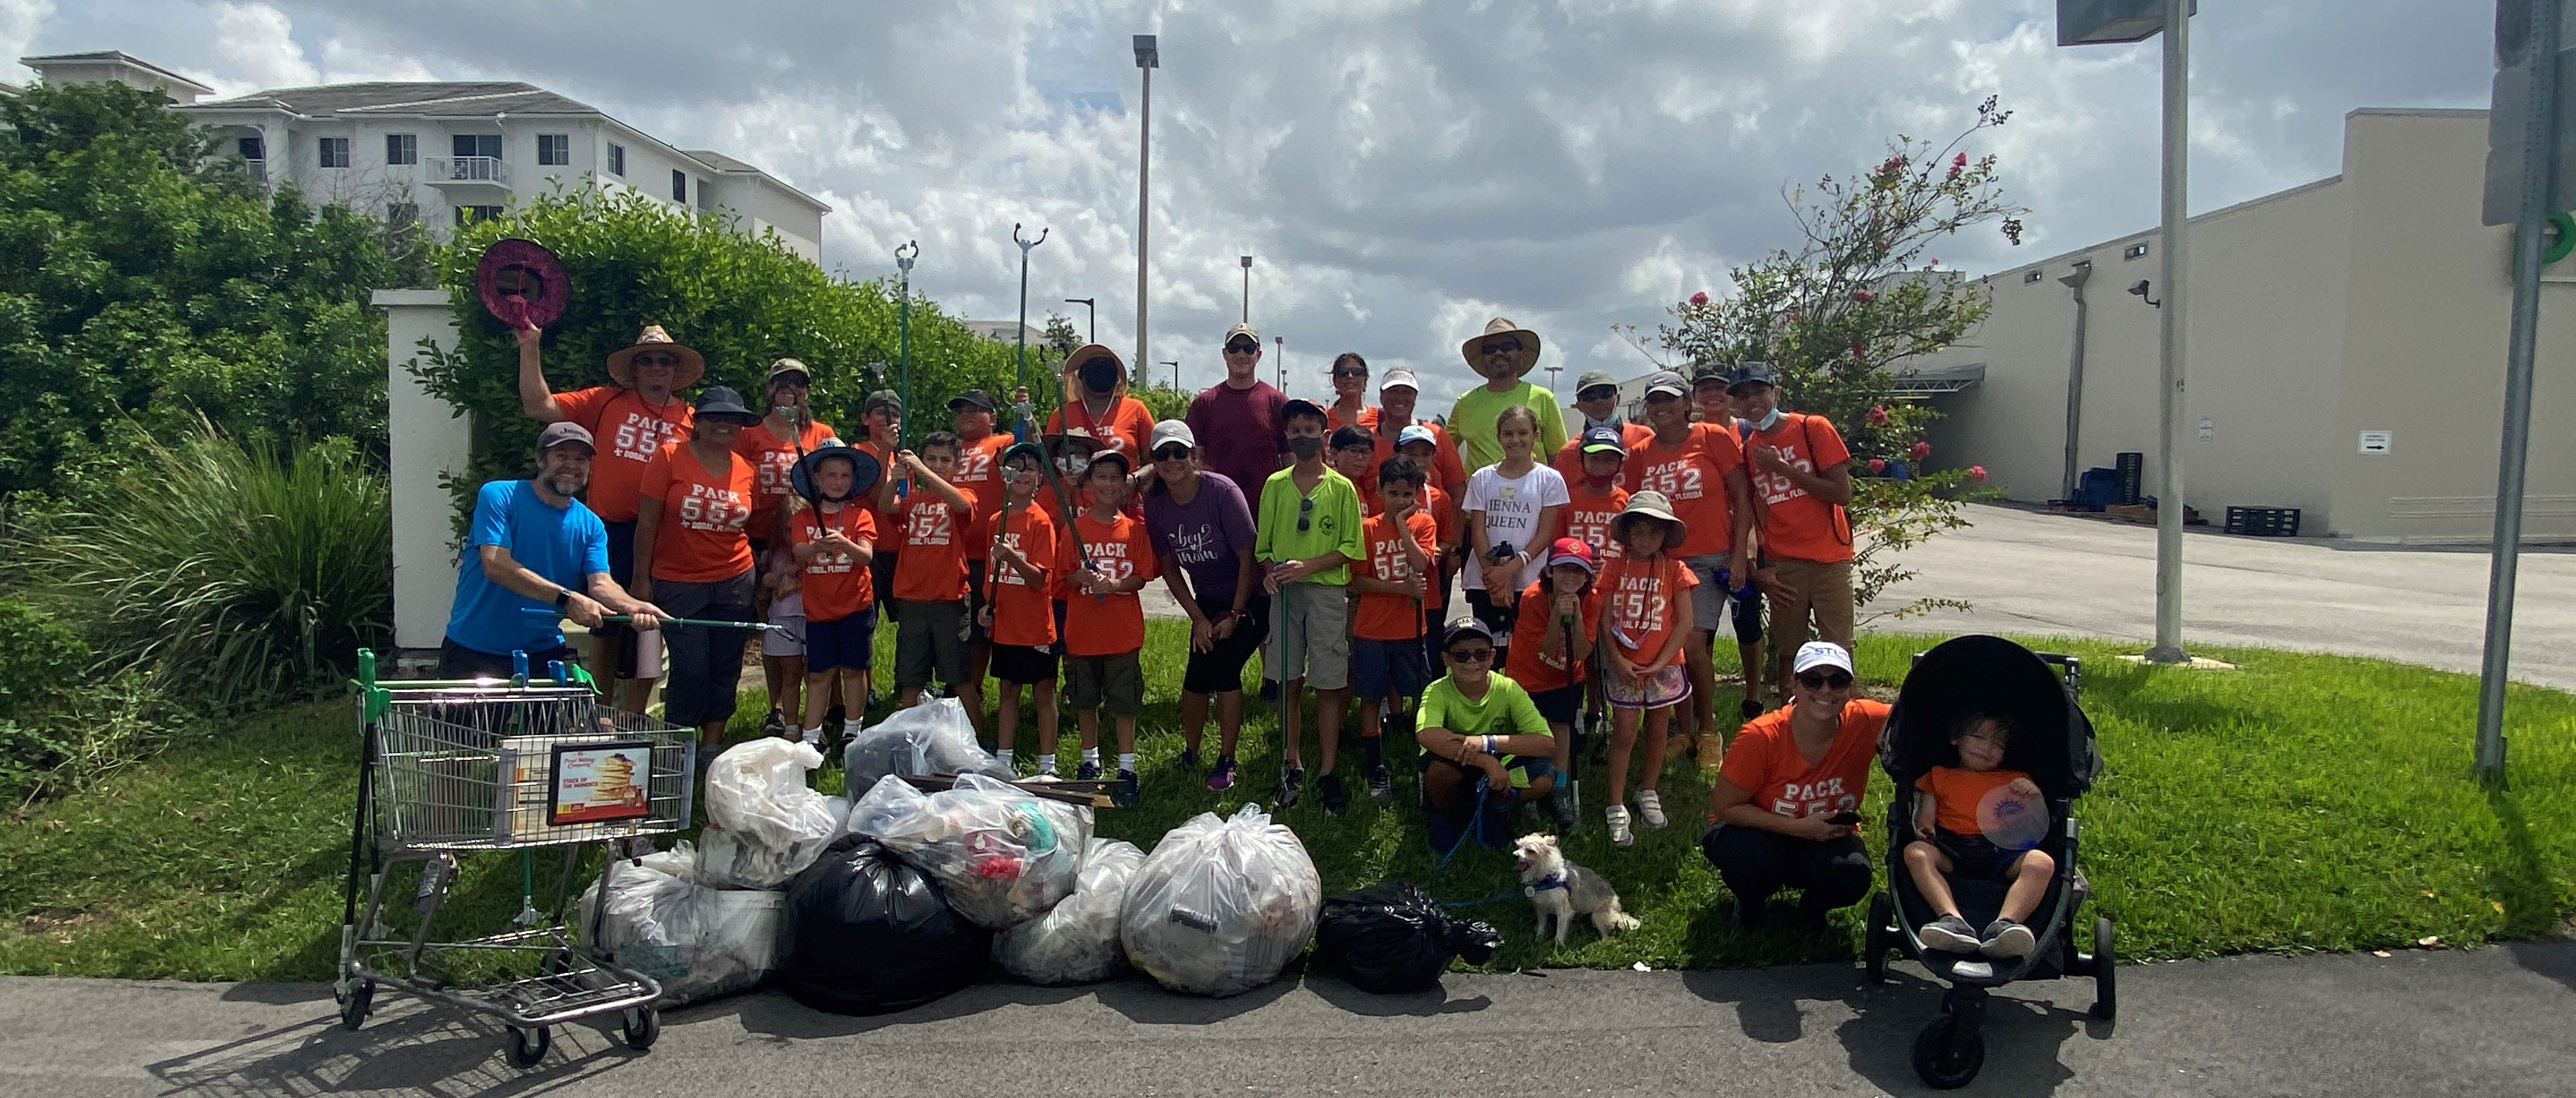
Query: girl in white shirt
x=1512, y=513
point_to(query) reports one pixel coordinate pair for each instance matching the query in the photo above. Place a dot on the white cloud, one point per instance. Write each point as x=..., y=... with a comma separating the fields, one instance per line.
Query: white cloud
x=258, y=51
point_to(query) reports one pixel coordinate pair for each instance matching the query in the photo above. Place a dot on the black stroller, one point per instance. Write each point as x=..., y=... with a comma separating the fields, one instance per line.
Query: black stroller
x=2054, y=746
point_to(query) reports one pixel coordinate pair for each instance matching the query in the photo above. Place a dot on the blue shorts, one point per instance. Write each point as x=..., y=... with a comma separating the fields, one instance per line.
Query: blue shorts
x=1378, y=665
x=846, y=643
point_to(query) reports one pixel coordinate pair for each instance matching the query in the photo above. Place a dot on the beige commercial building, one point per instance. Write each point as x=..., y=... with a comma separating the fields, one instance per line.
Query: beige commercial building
x=2345, y=355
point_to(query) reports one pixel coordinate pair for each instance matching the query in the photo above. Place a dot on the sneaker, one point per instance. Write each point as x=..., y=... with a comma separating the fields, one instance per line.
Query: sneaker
x=1650, y=809
x=775, y=724
x=1292, y=785
x=1751, y=708
x=1335, y=801
x=1090, y=772
x=1381, y=784
x=812, y=737
x=1221, y=778
x=1950, y=934
x=2006, y=938
x=1125, y=794
x=1617, y=815
x=1189, y=760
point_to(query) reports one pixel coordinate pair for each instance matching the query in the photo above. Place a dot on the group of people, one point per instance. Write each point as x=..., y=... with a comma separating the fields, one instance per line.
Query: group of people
x=1597, y=565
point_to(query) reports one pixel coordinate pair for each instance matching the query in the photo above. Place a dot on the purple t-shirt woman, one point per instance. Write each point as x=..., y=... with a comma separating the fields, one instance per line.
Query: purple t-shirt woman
x=1203, y=536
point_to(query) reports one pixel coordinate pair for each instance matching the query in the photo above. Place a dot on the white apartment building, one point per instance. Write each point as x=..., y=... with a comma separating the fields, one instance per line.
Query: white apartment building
x=449, y=152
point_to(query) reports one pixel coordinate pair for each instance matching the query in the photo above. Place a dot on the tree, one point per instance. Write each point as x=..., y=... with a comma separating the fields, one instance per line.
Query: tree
x=144, y=278
x=1858, y=297
x=1061, y=337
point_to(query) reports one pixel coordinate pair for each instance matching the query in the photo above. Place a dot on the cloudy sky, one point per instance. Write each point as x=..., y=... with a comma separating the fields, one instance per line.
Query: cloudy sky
x=1401, y=169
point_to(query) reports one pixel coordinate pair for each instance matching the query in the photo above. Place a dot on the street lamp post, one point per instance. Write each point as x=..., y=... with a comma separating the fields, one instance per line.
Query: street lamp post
x=1551, y=379
x=1093, y=308
x=1247, y=289
x=1175, y=364
x=1148, y=58
x=1279, y=350
x=904, y=254
x=1025, y=245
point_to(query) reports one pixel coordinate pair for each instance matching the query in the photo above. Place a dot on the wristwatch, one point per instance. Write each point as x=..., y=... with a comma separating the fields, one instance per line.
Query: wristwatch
x=563, y=598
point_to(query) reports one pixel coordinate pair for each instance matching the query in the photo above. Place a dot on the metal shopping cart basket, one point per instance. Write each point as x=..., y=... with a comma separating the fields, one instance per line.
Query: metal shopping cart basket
x=455, y=768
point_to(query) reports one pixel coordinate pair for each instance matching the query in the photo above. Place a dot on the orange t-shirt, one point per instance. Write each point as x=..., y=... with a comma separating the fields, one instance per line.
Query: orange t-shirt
x=1955, y=794
x=1381, y=616
x=835, y=585
x=1692, y=476
x=1645, y=599
x=1334, y=420
x=888, y=518
x=1434, y=502
x=771, y=458
x=1530, y=631
x=1794, y=524
x=627, y=433
x=700, y=539
x=1105, y=625
x=1588, y=514
x=1126, y=427
x=1023, y=614
x=1569, y=457
x=932, y=567
x=1447, y=472
x=979, y=472
x=1765, y=762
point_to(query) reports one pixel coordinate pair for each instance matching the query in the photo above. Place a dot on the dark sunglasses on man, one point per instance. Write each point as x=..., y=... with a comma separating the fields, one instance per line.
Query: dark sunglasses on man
x=1243, y=347
x=1814, y=680
x=1502, y=347
x=1471, y=655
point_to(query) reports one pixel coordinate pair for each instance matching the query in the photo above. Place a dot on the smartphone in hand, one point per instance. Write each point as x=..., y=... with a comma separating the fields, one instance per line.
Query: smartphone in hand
x=1844, y=818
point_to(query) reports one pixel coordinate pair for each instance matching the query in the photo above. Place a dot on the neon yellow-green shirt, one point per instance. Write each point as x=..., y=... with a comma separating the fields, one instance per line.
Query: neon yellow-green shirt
x=1332, y=523
x=1505, y=710
x=1471, y=423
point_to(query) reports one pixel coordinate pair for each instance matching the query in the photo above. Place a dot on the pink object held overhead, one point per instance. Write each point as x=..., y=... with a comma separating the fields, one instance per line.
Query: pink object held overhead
x=522, y=284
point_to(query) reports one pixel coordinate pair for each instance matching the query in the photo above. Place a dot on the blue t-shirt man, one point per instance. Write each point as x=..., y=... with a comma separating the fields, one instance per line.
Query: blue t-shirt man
x=564, y=545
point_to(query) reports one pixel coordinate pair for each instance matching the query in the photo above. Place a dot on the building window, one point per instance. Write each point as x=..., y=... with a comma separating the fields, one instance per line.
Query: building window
x=616, y=159
x=399, y=214
x=2030, y=276
x=2134, y=251
x=253, y=148
x=402, y=148
x=679, y=186
x=467, y=215
x=478, y=144
x=334, y=151
x=554, y=149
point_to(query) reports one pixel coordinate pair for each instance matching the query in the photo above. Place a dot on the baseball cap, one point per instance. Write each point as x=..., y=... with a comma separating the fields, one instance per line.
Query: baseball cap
x=1170, y=431
x=1604, y=440
x=882, y=398
x=556, y=434
x=1300, y=406
x=1399, y=378
x=1701, y=373
x=1244, y=329
x=1570, y=551
x=1814, y=654
x=1747, y=373
x=1594, y=379
x=1464, y=628
x=973, y=398
x=719, y=401
x=1347, y=437
x=1666, y=381
x=787, y=366
x=1416, y=433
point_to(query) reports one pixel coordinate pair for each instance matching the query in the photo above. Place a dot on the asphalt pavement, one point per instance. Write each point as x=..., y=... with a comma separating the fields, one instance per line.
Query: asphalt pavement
x=2482, y=1022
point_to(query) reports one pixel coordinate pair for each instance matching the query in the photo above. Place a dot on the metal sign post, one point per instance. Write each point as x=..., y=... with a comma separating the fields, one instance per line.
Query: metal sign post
x=903, y=256
x=1025, y=245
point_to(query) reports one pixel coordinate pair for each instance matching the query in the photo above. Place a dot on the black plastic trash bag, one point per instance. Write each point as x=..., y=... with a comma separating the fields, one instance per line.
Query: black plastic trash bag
x=1391, y=938
x=867, y=934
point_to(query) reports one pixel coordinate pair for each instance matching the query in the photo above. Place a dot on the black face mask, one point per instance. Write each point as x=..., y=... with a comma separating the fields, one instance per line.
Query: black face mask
x=1099, y=376
x=1305, y=446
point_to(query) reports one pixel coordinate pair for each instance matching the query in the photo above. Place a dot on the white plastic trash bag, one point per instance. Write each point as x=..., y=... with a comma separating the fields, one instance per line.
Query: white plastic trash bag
x=1002, y=854
x=698, y=942
x=935, y=737
x=1076, y=942
x=1221, y=906
x=764, y=824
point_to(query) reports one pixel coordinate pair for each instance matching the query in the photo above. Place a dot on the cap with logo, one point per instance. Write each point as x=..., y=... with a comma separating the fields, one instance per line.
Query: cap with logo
x=1416, y=433
x=1463, y=629
x=1170, y=431
x=786, y=366
x=1814, y=654
x=556, y=434
x=1242, y=329
x=1574, y=551
x=1604, y=440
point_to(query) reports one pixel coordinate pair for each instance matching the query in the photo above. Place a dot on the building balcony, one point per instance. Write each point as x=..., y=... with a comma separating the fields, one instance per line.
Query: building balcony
x=257, y=170
x=467, y=171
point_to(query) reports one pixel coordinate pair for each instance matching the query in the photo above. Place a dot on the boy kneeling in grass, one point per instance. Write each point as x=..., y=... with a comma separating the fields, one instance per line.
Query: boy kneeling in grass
x=833, y=541
x=1386, y=630
x=1953, y=840
x=930, y=574
x=1106, y=559
x=1017, y=612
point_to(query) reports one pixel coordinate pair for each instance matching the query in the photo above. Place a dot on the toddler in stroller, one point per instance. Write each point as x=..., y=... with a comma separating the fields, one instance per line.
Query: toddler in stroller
x=1980, y=821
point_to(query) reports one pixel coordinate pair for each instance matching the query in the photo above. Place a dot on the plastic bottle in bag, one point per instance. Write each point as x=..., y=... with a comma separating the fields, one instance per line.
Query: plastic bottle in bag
x=1002, y=855
x=764, y=824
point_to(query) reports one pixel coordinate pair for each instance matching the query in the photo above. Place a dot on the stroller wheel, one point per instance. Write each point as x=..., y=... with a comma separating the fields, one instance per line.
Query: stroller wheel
x=1874, y=944
x=2106, y=994
x=1940, y=1061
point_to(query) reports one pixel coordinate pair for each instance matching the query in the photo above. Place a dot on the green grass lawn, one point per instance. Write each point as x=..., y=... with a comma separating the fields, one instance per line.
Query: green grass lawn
x=2299, y=803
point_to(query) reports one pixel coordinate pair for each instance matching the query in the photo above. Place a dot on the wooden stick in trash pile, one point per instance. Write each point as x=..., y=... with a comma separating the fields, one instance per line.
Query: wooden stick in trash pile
x=1095, y=794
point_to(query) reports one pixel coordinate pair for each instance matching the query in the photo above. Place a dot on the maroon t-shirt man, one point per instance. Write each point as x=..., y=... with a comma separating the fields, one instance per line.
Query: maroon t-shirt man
x=1241, y=432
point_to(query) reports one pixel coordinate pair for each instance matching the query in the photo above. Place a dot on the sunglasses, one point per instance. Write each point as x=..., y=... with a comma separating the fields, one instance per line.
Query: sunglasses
x=1813, y=681
x=655, y=360
x=1503, y=347
x=1470, y=655
x=1305, y=513
x=1175, y=452
x=1242, y=347
x=1360, y=374
x=1605, y=392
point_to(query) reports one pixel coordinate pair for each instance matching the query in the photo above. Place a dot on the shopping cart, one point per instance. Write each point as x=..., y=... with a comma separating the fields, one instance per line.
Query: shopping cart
x=451, y=768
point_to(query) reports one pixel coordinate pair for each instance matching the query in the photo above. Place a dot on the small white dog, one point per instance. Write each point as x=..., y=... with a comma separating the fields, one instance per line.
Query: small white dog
x=1560, y=889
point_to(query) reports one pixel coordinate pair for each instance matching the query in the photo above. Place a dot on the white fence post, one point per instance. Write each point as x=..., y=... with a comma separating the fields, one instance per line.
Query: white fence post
x=429, y=438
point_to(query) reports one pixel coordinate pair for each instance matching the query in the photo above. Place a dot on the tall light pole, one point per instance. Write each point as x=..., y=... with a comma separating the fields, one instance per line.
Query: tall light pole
x=2083, y=22
x=1094, y=308
x=904, y=254
x=1147, y=59
x=1551, y=379
x=1025, y=245
x=1247, y=289
x=1279, y=345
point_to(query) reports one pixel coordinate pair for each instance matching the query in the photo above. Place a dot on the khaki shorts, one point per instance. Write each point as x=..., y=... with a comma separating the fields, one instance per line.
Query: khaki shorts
x=1818, y=589
x=1312, y=638
x=1115, y=682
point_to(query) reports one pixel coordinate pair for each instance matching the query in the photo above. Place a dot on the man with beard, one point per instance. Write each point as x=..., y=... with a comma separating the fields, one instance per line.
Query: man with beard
x=535, y=546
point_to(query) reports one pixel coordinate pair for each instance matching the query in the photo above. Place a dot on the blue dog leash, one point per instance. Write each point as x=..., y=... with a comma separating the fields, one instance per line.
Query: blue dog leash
x=1471, y=832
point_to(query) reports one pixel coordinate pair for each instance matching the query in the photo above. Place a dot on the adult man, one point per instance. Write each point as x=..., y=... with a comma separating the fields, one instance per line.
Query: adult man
x=1700, y=469
x=1502, y=356
x=1708, y=394
x=535, y=547
x=979, y=472
x=1801, y=479
x=1596, y=395
x=1394, y=412
x=1239, y=419
x=636, y=415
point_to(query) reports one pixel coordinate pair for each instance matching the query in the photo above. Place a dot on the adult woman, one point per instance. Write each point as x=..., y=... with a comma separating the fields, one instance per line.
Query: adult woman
x=772, y=446
x=1202, y=532
x=1787, y=798
x=1350, y=394
x=1510, y=514
x=693, y=558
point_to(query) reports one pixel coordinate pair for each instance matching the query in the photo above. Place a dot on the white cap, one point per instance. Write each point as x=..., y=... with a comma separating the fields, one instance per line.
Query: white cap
x=1399, y=378
x=1814, y=654
x=1172, y=430
x=1415, y=432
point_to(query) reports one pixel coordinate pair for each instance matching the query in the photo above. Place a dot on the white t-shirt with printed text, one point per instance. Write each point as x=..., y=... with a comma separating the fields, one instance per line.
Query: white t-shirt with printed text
x=1511, y=506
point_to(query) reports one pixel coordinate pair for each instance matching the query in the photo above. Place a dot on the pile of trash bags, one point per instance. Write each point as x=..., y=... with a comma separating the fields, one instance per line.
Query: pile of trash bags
x=929, y=739
x=1003, y=855
x=1076, y=942
x=1222, y=905
x=764, y=825
x=697, y=942
x=869, y=934
x=1393, y=938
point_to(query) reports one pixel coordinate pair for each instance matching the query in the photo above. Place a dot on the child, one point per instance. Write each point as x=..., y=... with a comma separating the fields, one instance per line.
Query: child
x=782, y=645
x=1953, y=841
x=1016, y=611
x=1307, y=536
x=1106, y=558
x=1645, y=625
x=1477, y=724
x=1597, y=497
x=1511, y=514
x=1386, y=628
x=834, y=542
x=1551, y=656
x=1352, y=448
x=1423, y=445
x=930, y=573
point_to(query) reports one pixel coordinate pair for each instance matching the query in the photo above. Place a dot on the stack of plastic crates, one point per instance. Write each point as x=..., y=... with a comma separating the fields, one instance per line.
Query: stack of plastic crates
x=453, y=769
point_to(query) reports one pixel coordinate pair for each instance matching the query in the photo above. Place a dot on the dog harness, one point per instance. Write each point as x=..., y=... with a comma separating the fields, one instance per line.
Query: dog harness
x=1559, y=880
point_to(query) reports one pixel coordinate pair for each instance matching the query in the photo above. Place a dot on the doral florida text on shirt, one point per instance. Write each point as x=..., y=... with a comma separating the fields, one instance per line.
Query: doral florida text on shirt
x=1777, y=488
x=640, y=435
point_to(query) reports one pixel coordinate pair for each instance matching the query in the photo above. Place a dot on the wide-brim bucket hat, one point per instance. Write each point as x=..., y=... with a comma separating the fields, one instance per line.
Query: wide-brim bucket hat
x=1650, y=504
x=864, y=470
x=653, y=338
x=522, y=284
x=1497, y=327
